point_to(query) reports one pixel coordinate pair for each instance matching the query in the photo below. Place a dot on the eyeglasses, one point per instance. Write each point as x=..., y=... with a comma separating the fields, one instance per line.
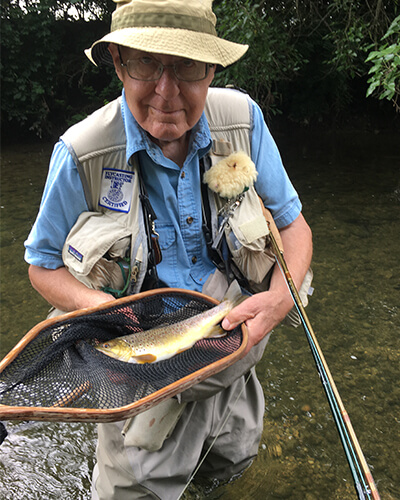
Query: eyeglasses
x=148, y=69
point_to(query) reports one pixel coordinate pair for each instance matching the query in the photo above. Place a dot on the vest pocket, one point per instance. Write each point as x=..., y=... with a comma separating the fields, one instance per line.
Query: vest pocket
x=254, y=264
x=246, y=236
x=95, y=249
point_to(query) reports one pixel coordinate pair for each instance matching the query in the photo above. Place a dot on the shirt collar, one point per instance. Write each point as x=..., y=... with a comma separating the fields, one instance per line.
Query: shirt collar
x=137, y=139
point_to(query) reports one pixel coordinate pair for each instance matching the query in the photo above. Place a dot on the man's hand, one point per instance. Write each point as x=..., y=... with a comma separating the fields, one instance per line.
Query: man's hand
x=261, y=313
x=264, y=311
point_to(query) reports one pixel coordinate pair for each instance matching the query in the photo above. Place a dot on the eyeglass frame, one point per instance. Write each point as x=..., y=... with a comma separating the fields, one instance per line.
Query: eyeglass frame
x=208, y=66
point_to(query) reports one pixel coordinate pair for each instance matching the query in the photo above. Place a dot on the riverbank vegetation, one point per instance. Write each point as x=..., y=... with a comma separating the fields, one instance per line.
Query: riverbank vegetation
x=325, y=63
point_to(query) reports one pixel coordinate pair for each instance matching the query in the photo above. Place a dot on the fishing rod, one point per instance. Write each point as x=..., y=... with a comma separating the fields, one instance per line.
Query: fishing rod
x=363, y=480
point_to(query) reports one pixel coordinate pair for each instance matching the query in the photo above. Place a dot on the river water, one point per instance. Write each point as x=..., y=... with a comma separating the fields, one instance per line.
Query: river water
x=350, y=188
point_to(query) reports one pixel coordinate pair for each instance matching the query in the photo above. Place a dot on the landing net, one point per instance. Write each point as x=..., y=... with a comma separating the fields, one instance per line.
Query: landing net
x=55, y=372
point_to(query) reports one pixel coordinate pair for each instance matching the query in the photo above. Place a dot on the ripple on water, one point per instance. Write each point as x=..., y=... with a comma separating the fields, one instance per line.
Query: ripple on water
x=47, y=460
x=352, y=205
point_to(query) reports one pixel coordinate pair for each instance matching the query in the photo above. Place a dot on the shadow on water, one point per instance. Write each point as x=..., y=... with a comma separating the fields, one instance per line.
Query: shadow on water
x=350, y=189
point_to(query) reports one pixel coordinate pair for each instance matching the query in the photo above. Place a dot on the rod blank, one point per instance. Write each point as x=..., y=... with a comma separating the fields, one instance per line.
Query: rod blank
x=348, y=437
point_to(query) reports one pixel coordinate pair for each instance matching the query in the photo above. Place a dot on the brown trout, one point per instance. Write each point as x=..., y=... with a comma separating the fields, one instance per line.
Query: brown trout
x=164, y=342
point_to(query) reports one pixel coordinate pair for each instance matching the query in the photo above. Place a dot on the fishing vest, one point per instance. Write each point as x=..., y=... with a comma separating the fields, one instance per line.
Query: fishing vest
x=115, y=223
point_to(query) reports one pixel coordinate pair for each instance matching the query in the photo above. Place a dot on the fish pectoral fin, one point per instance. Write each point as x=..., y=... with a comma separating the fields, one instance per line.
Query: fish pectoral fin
x=145, y=358
x=183, y=349
x=216, y=332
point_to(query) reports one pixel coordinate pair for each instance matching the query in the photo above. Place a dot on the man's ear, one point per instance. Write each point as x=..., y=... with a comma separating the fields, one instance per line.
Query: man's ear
x=113, y=49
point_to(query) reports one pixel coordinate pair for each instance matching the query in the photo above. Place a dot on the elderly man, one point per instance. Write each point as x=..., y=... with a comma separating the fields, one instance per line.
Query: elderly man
x=159, y=137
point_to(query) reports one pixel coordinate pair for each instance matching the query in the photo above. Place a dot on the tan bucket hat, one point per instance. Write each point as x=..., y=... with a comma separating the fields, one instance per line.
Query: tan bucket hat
x=184, y=28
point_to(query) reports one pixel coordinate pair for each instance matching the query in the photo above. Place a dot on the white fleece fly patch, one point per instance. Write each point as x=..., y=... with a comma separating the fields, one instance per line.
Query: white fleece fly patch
x=116, y=189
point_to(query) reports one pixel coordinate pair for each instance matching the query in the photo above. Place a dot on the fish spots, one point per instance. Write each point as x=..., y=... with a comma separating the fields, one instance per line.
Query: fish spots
x=166, y=340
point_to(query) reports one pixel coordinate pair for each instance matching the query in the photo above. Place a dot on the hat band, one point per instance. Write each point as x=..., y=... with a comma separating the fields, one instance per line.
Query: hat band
x=166, y=20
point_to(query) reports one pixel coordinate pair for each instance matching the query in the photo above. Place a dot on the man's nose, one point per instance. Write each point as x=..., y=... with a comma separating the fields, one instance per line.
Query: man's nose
x=168, y=84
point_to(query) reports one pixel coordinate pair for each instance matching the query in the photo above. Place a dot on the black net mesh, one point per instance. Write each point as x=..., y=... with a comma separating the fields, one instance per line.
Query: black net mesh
x=60, y=367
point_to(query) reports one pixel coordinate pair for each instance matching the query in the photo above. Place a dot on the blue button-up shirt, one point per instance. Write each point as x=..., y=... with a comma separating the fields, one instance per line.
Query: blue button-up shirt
x=175, y=196
x=176, y=199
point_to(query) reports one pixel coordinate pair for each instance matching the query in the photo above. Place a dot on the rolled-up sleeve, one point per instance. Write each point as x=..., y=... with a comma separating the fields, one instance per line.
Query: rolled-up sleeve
x=62, y=202
x=273, y=183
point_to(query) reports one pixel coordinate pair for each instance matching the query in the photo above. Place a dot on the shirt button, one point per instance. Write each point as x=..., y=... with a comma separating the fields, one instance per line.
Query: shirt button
x=189, y=220
x=183, y=175
x=194, y=259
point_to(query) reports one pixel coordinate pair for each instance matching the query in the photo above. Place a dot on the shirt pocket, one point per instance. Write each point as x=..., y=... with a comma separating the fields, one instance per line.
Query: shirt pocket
x=167, y=242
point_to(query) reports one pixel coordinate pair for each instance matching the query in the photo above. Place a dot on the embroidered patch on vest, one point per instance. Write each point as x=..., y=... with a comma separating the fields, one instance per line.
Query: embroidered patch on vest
x=116, y=189
x=74, y=252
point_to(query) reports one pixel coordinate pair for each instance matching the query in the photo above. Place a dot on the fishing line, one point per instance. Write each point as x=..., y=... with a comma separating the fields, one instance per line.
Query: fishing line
x=216, y=437
x=353, y=451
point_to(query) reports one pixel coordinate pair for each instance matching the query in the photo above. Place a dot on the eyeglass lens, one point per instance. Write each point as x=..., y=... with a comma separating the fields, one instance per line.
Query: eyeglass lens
x=147, y=68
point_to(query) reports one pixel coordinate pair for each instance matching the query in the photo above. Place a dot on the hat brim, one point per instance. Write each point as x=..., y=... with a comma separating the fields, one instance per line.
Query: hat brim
x=171, y=41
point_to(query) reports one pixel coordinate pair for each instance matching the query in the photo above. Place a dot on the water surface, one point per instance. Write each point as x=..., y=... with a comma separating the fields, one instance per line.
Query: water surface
x=350, y=188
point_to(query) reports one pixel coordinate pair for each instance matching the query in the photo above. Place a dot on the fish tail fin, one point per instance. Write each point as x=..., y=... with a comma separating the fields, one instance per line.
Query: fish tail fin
x=234, y=294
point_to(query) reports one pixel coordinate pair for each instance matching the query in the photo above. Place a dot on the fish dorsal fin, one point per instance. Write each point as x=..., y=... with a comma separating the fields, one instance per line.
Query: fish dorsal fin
x=234, y=294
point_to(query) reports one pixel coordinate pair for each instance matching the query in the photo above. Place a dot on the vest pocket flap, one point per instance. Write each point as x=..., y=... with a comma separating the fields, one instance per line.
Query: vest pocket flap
x=254, y=229
x=248, y=223
x=92, y=236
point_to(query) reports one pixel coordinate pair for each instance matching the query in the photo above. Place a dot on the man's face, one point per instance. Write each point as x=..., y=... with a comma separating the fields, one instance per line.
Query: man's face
x=166, y=108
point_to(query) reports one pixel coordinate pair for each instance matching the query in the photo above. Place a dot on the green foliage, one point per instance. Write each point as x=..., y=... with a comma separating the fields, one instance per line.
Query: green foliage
x=27, y=66
x=385, y=70
x=46, y=80
x=306, y=58
x=272, y=56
